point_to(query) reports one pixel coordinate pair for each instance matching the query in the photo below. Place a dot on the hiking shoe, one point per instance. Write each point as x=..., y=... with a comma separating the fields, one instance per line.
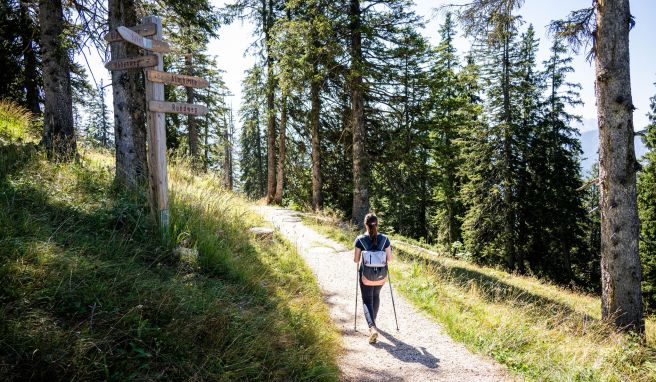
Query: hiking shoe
x=373, y=335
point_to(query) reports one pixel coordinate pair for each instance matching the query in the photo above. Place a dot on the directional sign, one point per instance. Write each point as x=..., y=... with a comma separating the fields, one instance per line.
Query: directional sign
x=132, y=63
x=176, y=79
x=142, y=42
x=176, y=107
x=147, y=29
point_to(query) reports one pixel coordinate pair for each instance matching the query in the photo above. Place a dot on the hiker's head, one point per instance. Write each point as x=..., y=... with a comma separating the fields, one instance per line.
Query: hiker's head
x=371, y=223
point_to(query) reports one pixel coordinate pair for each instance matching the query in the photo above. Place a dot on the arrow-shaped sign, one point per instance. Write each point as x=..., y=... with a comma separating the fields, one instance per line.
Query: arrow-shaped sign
x=135, y=38
x=132, y=63
x=176, y=79
x=147, y=29
x=176, y=107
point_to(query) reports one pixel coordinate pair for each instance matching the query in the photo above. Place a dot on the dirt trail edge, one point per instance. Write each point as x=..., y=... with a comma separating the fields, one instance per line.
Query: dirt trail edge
x=419, y=351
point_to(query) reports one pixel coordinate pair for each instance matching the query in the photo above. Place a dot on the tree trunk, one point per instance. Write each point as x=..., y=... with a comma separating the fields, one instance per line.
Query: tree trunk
x=621, y=273
x=271, y=112
x=507, y=159
x=281, y=153
x=360, y=160
x=192, y=127
x=228, y=152
x=258, y=152
x=30, y=77
x=315, y=87
x=59, y=130
x=129, y=102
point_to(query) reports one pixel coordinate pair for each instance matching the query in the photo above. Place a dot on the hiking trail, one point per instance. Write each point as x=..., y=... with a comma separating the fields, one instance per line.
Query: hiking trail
x=420, y=351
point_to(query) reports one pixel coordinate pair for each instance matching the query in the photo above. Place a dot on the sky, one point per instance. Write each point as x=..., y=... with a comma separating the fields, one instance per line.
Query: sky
x=235, y=38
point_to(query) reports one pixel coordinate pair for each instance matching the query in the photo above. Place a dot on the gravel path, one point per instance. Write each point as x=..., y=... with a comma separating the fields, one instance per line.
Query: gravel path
x=420, y=351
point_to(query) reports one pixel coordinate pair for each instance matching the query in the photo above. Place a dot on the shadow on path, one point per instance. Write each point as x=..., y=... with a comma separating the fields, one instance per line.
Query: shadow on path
x=407, y=353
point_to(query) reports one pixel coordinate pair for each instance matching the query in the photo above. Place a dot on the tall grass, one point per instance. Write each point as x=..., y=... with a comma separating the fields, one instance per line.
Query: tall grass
x=15, y=122
x=91, y=292
x=540, y=330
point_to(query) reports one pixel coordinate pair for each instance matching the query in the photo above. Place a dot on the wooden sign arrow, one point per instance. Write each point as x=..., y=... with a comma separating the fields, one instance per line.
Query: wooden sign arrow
x=176, y=107
x=176, y=79
x=132, y=63
x=147, y=29
x=142, y=42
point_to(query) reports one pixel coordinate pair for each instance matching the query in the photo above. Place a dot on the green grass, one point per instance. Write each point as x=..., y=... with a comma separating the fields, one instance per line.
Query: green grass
x=90, y=291
x=15, y=123
x=539, y=330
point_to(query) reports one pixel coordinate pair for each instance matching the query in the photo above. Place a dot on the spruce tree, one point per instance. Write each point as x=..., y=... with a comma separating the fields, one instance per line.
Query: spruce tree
x=647, y=204
x=253, y=151
x=492, y=157
x=556, y=239
x=451, y=113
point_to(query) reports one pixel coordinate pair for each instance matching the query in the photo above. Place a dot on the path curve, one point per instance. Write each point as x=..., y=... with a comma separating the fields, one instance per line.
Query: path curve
x=420, y=351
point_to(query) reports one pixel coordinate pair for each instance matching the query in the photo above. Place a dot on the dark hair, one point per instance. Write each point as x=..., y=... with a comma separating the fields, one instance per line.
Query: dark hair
x=371, y=221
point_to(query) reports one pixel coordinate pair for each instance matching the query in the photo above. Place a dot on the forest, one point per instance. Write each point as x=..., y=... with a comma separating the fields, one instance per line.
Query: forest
x=350, y=109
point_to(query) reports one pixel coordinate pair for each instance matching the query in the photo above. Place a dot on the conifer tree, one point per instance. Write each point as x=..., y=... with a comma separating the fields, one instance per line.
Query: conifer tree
x=647, y=204
x=59, y=130
x=451, y=113
x=253, y=152
x=556, y=244
x=98, y=127
x=489, y=226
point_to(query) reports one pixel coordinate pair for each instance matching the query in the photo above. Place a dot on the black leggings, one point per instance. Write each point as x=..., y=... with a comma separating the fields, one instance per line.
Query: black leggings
x=370, y=301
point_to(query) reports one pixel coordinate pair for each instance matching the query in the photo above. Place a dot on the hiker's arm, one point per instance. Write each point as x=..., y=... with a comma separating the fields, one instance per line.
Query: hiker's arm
x=356, y=257
x=388, y=252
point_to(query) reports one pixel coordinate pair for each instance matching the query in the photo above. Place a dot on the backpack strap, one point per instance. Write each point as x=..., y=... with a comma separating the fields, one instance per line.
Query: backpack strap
x=381, y=248
x=362, y=244
x=384, y=241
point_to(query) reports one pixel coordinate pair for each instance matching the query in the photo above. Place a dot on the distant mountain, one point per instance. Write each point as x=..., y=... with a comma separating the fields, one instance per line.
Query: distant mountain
x=590, y=146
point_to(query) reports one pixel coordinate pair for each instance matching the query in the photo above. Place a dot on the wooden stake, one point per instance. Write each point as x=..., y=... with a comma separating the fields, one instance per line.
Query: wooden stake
x=157, y=141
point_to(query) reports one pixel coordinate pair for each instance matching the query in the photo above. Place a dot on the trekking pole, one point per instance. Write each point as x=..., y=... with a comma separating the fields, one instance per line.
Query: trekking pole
x=392, y=294
x=355, y=312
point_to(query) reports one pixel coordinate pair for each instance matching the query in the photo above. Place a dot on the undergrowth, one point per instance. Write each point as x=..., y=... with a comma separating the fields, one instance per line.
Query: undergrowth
x=16, y=123
x=91, y=291
x=539, y=330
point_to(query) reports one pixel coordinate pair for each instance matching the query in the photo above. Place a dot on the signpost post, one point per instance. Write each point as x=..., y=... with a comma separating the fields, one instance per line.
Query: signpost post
x=155, y=80
x=156, y=133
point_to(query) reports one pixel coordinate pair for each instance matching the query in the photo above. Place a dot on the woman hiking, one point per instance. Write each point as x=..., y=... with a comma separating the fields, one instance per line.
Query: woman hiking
x=372, y=270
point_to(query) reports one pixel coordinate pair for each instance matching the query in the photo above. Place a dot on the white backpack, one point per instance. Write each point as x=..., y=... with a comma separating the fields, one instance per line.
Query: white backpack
x=374, y=263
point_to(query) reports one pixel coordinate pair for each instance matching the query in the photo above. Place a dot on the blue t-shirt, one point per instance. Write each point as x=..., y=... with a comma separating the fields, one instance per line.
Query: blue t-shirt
x=364, y=240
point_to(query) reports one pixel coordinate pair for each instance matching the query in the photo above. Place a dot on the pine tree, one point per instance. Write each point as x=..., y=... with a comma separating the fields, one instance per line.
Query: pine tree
x=98, y=127
x=492, y=156
x=556, y=210
x=59, y=129
x=647, y=204
x=253, y=152
x=451, y=112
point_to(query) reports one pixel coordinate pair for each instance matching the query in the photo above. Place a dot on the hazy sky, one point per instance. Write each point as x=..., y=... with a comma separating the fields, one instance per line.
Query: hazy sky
x=234, y=39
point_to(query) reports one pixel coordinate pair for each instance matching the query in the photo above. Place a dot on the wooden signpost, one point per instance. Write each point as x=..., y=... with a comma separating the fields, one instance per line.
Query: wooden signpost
x=155, y=80
x=145, y=30
x=176, y=79
x=177, y=107
x=133, y=63
x=146, y=43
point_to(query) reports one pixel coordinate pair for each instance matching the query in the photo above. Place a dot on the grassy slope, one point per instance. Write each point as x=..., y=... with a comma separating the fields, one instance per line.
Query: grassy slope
x=539, y=330
x=90, y=292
